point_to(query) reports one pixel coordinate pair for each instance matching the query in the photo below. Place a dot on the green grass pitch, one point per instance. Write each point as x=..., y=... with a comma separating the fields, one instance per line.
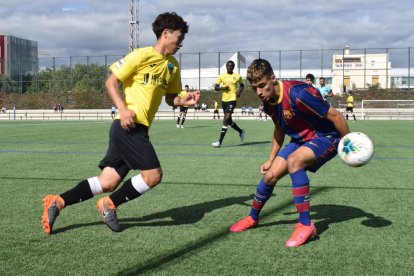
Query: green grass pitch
x=363, y=215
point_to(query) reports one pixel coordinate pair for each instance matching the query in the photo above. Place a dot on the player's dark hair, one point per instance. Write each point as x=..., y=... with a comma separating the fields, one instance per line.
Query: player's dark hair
x=169, y=21
x=230, y=62
x=258, y=69
x=310, y=76
x=321, y=78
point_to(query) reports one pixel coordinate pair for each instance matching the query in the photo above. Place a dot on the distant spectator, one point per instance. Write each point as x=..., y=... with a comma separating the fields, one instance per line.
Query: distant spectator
x=243, y=110
x=197, y=107
x=261, y=111
x=3, y=109
x=60, y=108
x=203, y=107
x=250, y=111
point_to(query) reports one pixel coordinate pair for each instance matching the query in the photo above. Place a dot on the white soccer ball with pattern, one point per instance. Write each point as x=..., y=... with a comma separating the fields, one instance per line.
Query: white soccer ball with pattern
x=355, y=149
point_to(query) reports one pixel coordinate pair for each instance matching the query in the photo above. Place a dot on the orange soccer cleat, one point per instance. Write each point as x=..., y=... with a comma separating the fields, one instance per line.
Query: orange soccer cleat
x=244, y=224
x=301, y=234
x=52, y=204
x=107, y=209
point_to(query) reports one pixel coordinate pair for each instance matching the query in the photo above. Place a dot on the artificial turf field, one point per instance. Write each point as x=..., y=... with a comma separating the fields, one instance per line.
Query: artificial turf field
x=364, y=216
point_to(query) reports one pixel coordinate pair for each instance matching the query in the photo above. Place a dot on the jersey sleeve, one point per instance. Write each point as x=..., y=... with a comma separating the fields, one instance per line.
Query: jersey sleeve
x=174, y=85
x=219, y=80
x=240, y=80
x=124, y=67
x=312, y=103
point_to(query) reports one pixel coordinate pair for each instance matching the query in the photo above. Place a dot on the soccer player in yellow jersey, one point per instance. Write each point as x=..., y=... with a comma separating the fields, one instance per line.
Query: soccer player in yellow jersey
x=350, y=106
x=216, y=110
x=183, y=108
x=231, y=85
x=148, y=74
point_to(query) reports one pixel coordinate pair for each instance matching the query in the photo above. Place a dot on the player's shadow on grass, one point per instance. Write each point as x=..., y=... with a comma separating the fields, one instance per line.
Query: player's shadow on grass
x=176, y=216
x=250, y=144
x=184, y=215
x=327, y=214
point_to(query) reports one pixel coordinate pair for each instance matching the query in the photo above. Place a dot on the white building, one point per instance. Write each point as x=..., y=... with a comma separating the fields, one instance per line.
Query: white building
x=359, y=71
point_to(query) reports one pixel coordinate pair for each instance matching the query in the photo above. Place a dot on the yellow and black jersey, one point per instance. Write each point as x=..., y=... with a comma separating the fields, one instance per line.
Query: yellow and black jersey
x=216, y=106
x=231, y=81
x=350, y=101
x=182, y=95
x=147, y=76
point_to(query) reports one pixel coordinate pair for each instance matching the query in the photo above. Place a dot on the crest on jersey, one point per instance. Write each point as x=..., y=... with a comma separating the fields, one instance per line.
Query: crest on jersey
x=287, y=114
x=170, y=67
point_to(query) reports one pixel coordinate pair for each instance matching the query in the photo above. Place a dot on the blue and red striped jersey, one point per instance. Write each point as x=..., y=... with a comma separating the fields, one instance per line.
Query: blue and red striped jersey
x=300, y=112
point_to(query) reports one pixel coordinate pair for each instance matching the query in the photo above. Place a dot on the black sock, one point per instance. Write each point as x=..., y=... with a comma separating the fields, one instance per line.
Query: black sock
x=125, y=193
x=178, y=120
x=354, y=117
x=182, y=122
x=236, y=127
x=346, y=117
x=223, y=133
x=79, y=193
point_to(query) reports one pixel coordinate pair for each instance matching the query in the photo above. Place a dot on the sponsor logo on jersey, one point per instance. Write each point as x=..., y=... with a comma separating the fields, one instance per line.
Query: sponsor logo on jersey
x=119, y=63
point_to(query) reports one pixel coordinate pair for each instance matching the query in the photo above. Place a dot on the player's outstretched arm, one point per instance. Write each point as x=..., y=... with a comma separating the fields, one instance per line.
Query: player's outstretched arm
x=277, y=142
x=338, y=120
x=240, y=90
x=190, y=99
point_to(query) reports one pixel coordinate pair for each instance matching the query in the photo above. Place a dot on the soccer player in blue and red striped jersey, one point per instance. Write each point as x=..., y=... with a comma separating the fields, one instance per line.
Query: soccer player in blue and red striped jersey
x=315, y=128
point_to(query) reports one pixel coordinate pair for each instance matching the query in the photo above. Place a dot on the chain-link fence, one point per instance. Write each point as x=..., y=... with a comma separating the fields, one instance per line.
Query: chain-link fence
x=355, y=69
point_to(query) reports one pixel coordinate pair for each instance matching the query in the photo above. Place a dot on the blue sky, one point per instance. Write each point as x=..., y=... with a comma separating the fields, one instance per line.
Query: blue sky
x=97, y=27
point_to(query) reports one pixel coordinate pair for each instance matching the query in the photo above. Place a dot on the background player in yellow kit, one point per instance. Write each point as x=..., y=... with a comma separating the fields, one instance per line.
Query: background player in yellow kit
x=350, y=106
x=183, y=108
x=231, y=85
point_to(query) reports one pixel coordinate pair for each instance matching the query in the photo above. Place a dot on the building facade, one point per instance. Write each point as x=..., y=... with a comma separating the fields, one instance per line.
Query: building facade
x=359, y=71
x=18, y=57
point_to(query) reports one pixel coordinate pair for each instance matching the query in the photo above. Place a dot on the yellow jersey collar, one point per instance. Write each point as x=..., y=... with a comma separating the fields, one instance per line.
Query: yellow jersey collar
x=280, y=92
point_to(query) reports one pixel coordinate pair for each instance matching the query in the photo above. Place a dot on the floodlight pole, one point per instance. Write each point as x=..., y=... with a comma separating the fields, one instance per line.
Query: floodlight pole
x=133, y=24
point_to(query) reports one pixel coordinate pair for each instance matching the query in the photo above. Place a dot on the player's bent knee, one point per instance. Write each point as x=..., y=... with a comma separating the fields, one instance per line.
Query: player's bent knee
x=270, y=178
x=152, y=177
x=109, y=186
x=294, y=163
x=109, y=179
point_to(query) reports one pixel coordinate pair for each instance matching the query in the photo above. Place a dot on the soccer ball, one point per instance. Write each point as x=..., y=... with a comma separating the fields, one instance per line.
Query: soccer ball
x=355, y=149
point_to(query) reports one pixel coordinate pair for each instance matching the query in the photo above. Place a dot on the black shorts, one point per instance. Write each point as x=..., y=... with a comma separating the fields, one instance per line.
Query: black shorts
x=228, y=107
x=129, y=150
x=349, y=108
x=183, y=108
x=216, y=111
